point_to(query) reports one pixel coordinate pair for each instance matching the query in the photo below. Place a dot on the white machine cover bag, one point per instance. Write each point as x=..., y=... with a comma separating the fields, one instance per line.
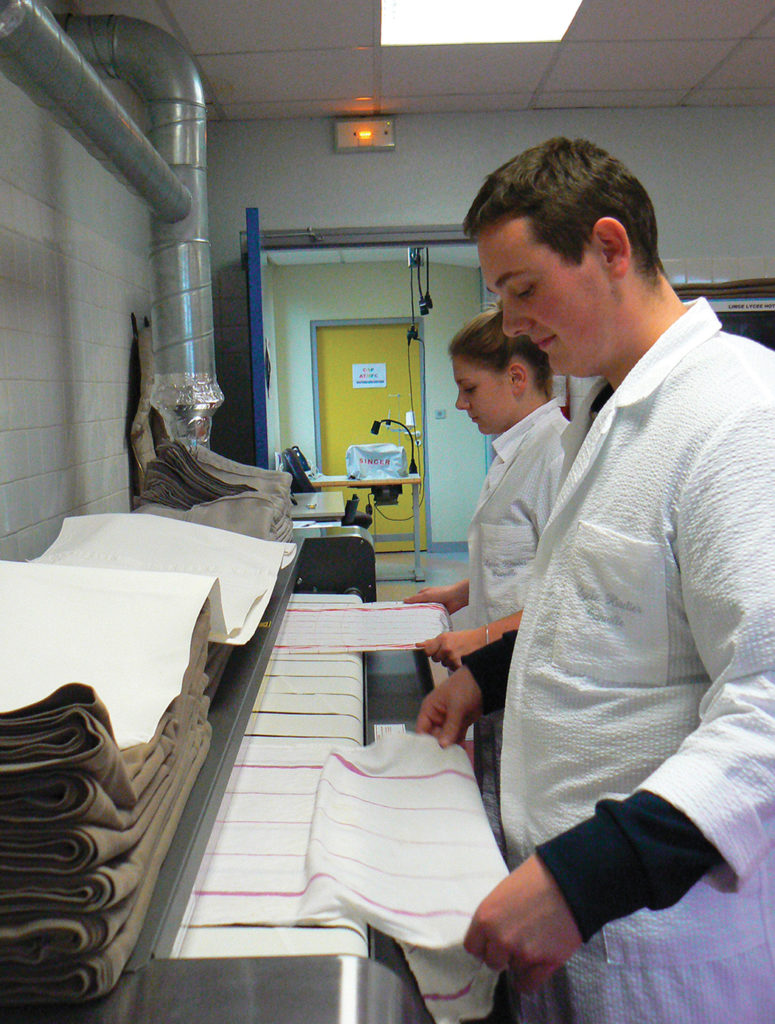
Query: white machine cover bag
x=376, y=461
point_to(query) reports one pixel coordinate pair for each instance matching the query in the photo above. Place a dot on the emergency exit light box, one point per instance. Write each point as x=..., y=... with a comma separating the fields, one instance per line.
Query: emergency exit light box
x=375, y=133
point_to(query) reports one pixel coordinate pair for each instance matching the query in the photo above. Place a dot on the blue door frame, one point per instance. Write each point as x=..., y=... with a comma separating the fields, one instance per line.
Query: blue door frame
x=257, y=344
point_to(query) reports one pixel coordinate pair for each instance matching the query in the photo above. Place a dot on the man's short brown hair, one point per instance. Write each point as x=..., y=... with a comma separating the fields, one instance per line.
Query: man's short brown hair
x=563, y=187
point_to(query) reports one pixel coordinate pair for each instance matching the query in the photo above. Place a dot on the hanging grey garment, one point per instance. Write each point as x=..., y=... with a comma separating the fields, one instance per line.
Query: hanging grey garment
x=141, y=433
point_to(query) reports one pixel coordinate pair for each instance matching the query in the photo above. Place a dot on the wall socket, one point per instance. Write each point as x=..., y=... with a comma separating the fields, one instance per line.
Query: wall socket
x=414, y=257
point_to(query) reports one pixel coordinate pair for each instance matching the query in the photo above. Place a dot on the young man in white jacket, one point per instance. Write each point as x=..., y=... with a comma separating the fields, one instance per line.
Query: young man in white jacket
x=638, y=772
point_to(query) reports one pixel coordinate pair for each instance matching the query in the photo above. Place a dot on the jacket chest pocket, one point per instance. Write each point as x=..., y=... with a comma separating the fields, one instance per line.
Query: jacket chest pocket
x=507, y=555
x=612, y=620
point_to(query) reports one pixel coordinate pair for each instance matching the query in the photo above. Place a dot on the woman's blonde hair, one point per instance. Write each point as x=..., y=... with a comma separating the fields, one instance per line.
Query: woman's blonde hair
x=482, y=341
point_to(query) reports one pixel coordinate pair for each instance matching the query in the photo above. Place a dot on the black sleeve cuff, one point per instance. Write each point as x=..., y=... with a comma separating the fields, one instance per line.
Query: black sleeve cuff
x=634, y=853
x=490, y=668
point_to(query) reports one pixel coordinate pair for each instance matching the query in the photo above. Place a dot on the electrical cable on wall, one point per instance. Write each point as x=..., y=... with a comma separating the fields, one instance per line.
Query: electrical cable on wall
x=416, y=258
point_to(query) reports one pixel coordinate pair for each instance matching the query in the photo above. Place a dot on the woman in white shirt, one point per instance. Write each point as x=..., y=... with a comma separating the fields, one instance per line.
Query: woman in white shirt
x=505, y=386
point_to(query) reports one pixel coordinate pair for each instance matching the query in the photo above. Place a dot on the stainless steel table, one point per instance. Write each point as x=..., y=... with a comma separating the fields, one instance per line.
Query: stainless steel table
x=236, y=990
x=318, y=506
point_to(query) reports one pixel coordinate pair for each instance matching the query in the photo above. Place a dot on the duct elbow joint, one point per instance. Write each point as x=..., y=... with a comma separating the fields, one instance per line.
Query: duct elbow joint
x=187, y=404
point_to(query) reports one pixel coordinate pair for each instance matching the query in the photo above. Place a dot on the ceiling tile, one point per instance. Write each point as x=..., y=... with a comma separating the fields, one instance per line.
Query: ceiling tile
x=749, y=66
x=237, y=26
x=600, y=66
x=453, y=103
x=608, y=98
x=315, y=58
x=667, y=19
x=436, y=70
x=282, y=77
x=731, y=98
x=293, y=108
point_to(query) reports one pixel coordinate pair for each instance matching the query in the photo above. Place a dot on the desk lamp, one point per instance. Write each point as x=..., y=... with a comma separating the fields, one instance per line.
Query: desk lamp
x=375, y=430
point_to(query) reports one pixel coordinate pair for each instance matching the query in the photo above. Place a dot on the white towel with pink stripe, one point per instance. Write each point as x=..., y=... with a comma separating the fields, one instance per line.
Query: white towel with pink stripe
x=375, y=626
x=397, y=837
x=400, y=839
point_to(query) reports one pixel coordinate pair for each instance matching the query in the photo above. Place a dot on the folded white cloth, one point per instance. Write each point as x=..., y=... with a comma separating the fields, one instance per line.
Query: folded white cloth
x=242, y=569
x=376, y=626
x=125, y=634
x=394, y=835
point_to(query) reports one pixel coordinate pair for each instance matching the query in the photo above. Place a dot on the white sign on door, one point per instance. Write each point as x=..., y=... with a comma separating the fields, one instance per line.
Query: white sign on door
x=369, y=375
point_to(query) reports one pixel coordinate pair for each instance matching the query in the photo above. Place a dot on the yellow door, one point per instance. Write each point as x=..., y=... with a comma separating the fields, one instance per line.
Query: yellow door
x=378, y=354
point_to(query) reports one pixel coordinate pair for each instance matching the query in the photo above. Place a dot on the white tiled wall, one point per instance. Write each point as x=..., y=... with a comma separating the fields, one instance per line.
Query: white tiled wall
x=66, y=295
x=717, y=269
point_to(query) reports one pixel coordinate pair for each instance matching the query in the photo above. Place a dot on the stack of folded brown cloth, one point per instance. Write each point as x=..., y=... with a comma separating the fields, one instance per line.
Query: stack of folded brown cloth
x=202, y=487
x=84, y=828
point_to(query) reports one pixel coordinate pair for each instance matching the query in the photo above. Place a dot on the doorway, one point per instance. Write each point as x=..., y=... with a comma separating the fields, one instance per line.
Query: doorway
x=367, y=370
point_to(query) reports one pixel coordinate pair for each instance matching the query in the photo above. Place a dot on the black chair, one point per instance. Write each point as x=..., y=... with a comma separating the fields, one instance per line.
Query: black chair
x=352, y=517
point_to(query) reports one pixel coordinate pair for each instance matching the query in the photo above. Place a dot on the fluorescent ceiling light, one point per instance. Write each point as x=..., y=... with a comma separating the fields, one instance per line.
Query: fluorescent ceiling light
x=426, y=22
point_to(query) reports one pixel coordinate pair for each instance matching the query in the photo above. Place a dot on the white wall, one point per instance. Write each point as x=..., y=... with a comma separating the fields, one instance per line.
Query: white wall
x=73, y=246
x=709, y=173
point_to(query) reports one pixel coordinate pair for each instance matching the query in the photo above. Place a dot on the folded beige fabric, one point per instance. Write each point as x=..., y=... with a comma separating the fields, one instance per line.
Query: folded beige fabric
x=202, y=487
x=74, y=890
x=69, y=978
x=272, y=484
x=46, y=919
x=70, y=727
x=217, y=659
x=56, y=744
x=76, y=847
x=175, y=478
x=250, y=514
x=85, y=893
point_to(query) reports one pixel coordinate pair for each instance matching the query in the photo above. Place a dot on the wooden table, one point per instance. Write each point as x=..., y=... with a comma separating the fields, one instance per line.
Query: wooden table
x=326, y=483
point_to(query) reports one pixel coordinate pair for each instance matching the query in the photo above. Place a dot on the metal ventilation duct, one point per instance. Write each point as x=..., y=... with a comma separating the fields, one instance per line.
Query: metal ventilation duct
x=168, y=169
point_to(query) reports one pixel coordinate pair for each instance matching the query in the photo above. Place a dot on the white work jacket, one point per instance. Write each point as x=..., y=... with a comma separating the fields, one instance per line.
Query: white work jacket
x=645, y=660
x=513, y=507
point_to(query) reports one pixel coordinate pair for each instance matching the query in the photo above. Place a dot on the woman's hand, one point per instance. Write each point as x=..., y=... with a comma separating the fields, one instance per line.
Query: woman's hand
x=449, y=648
x=454, y=596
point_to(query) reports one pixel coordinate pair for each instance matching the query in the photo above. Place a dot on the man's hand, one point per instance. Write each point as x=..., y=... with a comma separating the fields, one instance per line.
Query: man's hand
x=450, y=708
x=449, y=648
x=525, y=925
x=454, y=596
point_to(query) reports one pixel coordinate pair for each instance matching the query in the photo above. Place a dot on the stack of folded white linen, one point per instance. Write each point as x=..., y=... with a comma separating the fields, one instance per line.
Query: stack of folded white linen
x=242, y=570
x=103, y=730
